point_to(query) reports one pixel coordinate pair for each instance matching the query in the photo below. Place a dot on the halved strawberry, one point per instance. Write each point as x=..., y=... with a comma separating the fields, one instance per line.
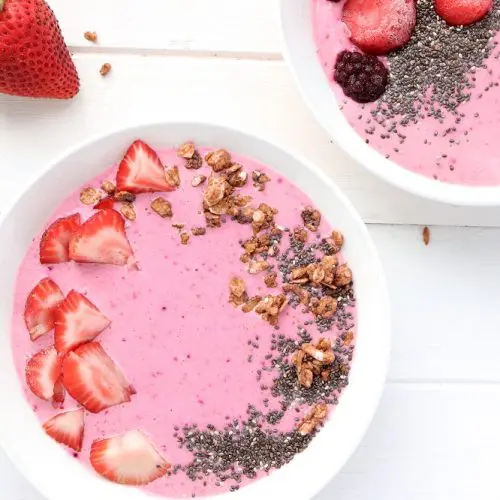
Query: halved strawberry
x=379, y=26
x=102, y=240
x=141, y=171
x=104, y=204
x=129, y=458
x=462, y=12
x=55, y=240
x=67, y=428
x=77, y=321
x=42, y=372
x=93, y=379
x=40, y=306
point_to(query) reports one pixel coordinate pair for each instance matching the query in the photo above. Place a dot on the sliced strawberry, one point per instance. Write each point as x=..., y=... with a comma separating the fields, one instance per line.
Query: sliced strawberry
x=129, y=458
x=105, y=203
x=102, y=240
x=141, y=171
x=77, y=321
x=67, y=428
x=42, y=372
x=379, y=26
x=462, y=12
x=55, y=240
x=40, y=306
x=59, y=394
x=93, y=379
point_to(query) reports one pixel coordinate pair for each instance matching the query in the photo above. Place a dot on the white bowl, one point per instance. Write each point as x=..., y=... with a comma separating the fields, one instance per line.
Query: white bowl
x=46, y=465
x=300, y=54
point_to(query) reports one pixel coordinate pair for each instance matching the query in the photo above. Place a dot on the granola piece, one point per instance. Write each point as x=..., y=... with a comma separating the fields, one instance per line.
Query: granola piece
x=215, y=192
x=301, y=293
x=313, y=419
x=178, y=225
x=238, y=179
x=125, y=196
x=108, y=187
x=219, y=160
x=263, y=217
x=347, y=338
x=322, y=351
x=195, y=162
x=105, y=69
x=198, y=180
x=313, y=360
x=213, y=220
x=336, y=241
x=186, y=151
x=127, y=210
x=245, y=215
x=270, y=307
x=250, y=304
x=237, y=291
x=163, y=208
x=325, y=307
x=245, y=258
x=184, y=238
x=311, y=218
x=90, y=196
x=258, y=266
x=172, y=176
x=300, y=234
x=91, y=36
x=235, y=167
x=270, y=279
x=198, y=231
x=343, y=276
x=259, y=180
x=426, y=235
x=221, y=208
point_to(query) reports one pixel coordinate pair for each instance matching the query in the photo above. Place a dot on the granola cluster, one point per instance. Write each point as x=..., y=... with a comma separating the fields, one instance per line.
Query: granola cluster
x=313, y=419
x=313, y=361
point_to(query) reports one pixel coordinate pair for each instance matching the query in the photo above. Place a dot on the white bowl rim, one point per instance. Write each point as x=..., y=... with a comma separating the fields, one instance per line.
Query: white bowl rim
x=300, y=54
x=375, y=382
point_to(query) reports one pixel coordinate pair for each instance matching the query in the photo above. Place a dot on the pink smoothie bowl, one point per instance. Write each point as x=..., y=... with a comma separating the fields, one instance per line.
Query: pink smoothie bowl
x=46, y=465
x=300, y=52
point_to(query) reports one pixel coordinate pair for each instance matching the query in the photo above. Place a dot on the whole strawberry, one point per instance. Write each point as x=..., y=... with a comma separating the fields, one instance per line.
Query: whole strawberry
x=34, y=60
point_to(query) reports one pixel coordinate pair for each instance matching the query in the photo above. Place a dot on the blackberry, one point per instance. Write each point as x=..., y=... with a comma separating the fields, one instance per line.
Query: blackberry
x=362, y=77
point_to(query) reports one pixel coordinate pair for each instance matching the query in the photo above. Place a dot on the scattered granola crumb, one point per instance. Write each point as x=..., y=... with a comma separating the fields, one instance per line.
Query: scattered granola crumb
x=108, y=187
x=325, y=307
x=213, y=220
x=184, y=238
x=347, y=338
x=125, y=196
x=219, y=160
x=260, y=179
x=300, y=234
x=105, y=69
x=251, y=304
x=91, y=36
x=178, y=225
x=198, y=180
x=163, y=208
x=172, y=176
x=343, y=276
x=198, y=231
x=336, y=241
x=237, y=291
x=270, y=279
x=313, y=419
x=127, y=210
x=187, y=150
x=426, y=235
x=311, y=218
x=90, y=196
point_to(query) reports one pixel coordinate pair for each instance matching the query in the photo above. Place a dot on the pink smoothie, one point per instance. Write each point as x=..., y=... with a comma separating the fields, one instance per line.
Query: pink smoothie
x=467, y=154
x=192, y=357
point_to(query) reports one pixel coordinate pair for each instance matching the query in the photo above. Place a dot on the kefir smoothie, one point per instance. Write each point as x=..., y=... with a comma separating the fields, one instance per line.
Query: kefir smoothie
x=185, y=323
x=430, y=98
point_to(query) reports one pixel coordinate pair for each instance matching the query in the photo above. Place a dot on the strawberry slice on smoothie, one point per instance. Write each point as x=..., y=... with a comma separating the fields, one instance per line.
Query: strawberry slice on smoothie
x=129, y=458
x=379, y=26
x=77, y=321
x=102, y=240
x=40, y=308
x=93, y=379
x=141, y=171
x=67, y=428
x=42, y=373
x=56, y=238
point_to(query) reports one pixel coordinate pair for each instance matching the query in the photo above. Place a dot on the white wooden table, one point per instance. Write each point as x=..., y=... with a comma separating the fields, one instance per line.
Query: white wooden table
x=436, y=435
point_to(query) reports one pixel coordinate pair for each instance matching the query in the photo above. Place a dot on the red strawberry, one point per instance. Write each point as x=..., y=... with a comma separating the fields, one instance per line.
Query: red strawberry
x=77, y=321
x=67, y=428
x=40, y=306
x=93, y=379
x=55, y=240
x=129, y=458
x=141, y=171
x=102, y=240
x=42, y=372
x=59, y=394
x=104, y=204
x=379, y=26
x=34, y=60
x=462, y=12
